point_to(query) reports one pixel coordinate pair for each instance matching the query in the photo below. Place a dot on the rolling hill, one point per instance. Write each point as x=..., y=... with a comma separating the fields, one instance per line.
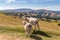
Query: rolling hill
x=40, y=12
x=11, y=28
x=31, y=10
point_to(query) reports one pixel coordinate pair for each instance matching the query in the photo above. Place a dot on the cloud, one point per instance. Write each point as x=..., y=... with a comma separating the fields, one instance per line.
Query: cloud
x=10, y=1
x=54, y=8
x=43, y=0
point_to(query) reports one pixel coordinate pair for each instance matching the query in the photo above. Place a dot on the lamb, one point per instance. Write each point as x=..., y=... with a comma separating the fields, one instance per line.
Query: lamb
x=33, y=21
x=27, y=27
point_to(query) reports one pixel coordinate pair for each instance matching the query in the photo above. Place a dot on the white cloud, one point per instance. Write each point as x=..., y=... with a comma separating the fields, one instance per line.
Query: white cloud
x=55, y=8
x=10, y=1
x=43, y=0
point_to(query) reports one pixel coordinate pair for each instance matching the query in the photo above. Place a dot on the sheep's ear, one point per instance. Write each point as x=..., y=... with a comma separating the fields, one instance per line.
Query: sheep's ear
x=23, y=23
x=26, y=20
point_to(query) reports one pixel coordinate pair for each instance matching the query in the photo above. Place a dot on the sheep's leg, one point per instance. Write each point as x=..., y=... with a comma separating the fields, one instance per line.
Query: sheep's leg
x=35, y=29
x=28, y=32
x=37, y=25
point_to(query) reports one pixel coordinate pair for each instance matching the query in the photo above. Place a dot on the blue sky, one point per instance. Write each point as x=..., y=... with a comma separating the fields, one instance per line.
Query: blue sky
x=33, y=4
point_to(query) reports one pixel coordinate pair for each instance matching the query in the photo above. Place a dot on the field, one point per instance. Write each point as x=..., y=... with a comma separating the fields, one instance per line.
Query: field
x=11, y=28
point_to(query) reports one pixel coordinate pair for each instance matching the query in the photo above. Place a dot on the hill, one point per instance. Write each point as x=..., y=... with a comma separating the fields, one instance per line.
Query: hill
x=58, y=12
x=19, y=10
x=11, y=28
x=9, y=20
x=31, y=10
x=40, y=12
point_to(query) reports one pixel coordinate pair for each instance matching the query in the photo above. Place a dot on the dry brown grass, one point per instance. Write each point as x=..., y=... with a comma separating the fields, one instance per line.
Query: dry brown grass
x=14, y=25
x=10, y=21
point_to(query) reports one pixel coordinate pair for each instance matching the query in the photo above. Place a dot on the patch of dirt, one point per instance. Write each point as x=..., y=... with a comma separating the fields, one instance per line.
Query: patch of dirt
x=13, y=36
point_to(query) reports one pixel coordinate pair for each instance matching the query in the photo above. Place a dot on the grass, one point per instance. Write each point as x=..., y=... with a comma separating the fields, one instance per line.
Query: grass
x=9, y=29
x=9, y=24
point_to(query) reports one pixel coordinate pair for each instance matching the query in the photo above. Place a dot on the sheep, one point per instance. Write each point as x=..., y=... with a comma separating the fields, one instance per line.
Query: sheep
x=27, y=27
x=33, y=21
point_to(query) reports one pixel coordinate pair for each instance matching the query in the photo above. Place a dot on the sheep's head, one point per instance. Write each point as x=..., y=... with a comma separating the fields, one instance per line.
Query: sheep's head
x=24, y=22
x=25, y=19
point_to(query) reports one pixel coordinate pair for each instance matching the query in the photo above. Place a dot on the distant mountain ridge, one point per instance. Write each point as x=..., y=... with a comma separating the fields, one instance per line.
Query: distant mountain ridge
x=58, y=12
x=18, y=10
x=41, y=12
x=31, y=10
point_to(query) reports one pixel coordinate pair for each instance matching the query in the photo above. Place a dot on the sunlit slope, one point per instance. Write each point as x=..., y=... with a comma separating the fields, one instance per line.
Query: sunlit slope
x=50, y=26
x=6, y=20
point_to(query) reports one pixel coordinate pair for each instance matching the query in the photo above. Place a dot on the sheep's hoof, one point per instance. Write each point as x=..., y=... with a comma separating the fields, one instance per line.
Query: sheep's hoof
x=28, y=35
x=34, y=31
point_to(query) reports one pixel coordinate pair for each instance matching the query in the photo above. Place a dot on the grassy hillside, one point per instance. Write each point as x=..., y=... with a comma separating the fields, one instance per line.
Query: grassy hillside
x=11, y=28
x=9, y=20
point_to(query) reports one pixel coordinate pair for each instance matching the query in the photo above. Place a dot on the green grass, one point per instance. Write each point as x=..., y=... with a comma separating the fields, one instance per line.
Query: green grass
x=41, y=35
x=9, y=29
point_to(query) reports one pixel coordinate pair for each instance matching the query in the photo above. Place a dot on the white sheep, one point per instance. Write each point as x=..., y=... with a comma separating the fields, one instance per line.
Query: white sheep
x=27, y=27
x=33, y=21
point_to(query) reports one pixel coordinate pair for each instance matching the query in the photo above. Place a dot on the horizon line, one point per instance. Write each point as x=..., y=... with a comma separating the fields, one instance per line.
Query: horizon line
x=28, y=8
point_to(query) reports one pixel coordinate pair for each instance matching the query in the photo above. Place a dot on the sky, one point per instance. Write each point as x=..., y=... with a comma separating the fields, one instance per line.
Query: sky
x=32, y=4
